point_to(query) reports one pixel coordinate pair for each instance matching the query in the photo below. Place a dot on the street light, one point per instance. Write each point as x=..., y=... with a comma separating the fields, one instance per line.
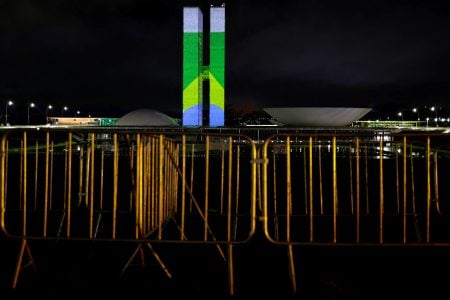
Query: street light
x=415, y=110
x=49, y=107
x=65, y=108
x=31, y=105
x=400, y=115
x=8, y=103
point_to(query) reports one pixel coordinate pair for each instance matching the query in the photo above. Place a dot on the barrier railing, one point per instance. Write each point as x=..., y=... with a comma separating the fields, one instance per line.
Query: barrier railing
x=363, y=189
x=147, y=186
x=133, y=185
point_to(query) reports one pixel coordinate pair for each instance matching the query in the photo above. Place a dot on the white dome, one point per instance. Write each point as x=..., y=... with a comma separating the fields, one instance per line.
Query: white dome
x=146, y=117
x=317, y=116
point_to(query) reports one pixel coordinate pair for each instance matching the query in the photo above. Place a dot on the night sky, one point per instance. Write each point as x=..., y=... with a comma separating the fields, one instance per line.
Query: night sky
x=119, y=55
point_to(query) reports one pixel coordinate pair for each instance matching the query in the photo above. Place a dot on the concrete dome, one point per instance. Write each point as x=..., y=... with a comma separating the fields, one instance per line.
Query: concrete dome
x=317, y=116
x=146, y=117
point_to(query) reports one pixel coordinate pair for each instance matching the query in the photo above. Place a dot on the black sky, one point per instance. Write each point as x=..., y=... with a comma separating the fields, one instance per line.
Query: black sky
x=125, y=54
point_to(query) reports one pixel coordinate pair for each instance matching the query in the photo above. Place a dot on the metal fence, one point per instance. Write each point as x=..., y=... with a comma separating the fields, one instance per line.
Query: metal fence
x=144, y=186
x=141, y=186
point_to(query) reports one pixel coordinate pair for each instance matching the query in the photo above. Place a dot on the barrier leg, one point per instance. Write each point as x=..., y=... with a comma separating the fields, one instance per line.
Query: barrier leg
x=20, y=266
x=292, y=269
x=230, y=270
x=140, y=250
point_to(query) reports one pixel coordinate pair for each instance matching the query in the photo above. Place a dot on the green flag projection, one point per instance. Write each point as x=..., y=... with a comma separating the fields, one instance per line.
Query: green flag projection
x=194, y=72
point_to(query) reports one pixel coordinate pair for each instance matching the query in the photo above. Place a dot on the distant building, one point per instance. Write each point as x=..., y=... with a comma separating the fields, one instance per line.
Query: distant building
x=68, y=121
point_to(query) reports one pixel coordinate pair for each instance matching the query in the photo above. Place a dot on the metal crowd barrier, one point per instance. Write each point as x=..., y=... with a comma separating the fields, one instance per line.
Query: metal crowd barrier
x=129, y=185
x=341, y=189
x=195, y=186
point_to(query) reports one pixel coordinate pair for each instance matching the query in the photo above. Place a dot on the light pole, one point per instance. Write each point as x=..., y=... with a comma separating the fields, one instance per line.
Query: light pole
x=415, y=110
x=31, y=105
x=8, y=103
x=49, y=107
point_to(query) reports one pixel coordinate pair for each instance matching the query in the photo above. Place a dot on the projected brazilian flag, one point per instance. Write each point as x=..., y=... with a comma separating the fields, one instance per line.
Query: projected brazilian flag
x=194, y=72
x=192, y=66
x=217, y=67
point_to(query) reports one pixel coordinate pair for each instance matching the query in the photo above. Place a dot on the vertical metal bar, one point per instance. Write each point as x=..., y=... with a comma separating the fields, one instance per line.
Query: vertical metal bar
x=183, y=184
x=132, y=172
x=311, y=206
x=428, y=188
x=436, y=180
x=166, y=183
x=259, y=184
x=154, y=180
x=80, y=176
x=320, y=180
x=88, y=174
x=205, y=229
x=47, y=154
x=3, y=183
x=161, y=185
x=138, y=184
x=36, y=164
x=146, y=141
x=222, y=178
x=230, y=270
x=236, y=208
x=51, y=177
x=192, y=176
x=413, y=193
x=19, y=263
x=102, y=166
x=358, y=200
x=229, y=208
x=175, y=176
x=230, y=185
x=305, y=180
x=405, y=192
x=288, y=190
x=21, y=174
x=264, y=190
x=24, y=207
x=115, y=185
x=275, y=206
x=397, y=181
x=367, y=179
x=350, y=165
x=91, y=188
x=69, y=183
x=292, y=268
x=334, y=191
x=254, y=177
x=381, y=190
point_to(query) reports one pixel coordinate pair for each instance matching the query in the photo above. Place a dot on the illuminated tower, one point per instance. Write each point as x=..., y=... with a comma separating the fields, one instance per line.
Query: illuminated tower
x=194, y=72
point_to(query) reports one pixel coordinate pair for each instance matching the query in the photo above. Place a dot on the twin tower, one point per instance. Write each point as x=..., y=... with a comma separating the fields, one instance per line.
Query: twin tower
x=196, y=112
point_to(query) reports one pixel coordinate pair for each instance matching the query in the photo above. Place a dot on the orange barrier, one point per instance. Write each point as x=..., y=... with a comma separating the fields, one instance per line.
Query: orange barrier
x=136, y=183
x=353, y=189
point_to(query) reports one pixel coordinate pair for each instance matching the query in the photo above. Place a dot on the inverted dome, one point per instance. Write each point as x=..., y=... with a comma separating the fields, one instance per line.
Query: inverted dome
x=317, y=116
x=146, y=117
